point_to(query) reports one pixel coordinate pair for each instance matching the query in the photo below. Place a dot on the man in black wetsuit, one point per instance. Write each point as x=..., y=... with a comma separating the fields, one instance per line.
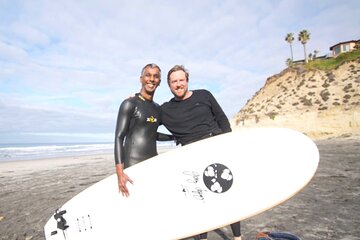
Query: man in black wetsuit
x=136, y=128
x=193, y=115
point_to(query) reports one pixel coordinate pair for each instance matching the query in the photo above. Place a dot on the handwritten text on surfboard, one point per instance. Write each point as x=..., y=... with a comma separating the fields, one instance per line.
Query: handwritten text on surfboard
x=191, y=186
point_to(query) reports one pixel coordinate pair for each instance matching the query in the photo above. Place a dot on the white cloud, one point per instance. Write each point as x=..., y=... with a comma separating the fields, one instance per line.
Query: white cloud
x=69, y=64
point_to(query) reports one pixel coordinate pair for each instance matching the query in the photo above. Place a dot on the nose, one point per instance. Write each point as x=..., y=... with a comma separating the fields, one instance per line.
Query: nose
x=153, y=77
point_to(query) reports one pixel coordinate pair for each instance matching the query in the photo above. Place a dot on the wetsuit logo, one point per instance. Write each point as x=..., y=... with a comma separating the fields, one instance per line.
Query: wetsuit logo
x=151, y=119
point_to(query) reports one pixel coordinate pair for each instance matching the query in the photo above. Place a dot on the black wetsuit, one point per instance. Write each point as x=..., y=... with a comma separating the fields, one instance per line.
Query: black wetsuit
x=195, y=118
x=136, y=130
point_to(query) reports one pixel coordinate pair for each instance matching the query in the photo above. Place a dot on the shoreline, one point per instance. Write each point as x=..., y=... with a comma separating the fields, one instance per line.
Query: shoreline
x=35, y=165
x=32, y=151
x=75, y=154
x=327, y=208
x=161, y=149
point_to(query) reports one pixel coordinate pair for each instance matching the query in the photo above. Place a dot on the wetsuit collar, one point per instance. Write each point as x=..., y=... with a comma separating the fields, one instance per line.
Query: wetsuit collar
x=142, y=98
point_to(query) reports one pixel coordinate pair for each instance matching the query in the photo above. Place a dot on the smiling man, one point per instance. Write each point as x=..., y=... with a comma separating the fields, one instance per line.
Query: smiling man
x=136, y=127
x=192, y=115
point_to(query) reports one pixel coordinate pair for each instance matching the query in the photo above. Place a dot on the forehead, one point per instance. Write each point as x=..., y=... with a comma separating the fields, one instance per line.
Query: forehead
x=178, y=75
x=151, y=70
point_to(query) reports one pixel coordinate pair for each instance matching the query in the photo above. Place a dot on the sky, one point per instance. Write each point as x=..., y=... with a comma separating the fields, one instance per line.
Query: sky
x=66, y=66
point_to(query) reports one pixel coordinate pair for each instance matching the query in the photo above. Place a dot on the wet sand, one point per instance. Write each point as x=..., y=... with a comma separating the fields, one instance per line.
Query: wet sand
x=328, y=208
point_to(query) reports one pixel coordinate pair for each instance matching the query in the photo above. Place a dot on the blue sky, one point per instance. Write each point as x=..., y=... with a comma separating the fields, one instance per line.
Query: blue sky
x=65, y=66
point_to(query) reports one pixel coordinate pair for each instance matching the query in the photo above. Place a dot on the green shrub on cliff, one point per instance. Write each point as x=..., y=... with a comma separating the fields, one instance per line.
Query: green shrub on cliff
x=332, y=63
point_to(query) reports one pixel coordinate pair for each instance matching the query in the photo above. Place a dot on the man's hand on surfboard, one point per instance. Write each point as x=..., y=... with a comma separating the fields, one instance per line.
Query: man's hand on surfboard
x=122, y=180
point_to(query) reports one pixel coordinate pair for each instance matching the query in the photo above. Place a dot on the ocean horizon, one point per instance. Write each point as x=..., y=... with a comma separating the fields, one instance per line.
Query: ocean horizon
x=33, y=151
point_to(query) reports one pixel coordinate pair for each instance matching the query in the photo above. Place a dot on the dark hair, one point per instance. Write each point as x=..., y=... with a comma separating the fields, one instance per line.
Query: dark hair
x=150, y=65
x=178, y=68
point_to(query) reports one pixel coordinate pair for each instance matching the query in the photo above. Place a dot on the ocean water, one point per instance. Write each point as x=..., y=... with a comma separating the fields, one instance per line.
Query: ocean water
x=31, y=151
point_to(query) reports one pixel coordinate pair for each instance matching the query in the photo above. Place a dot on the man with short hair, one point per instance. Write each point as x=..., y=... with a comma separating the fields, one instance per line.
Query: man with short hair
x=193, y=115
x=136, y=128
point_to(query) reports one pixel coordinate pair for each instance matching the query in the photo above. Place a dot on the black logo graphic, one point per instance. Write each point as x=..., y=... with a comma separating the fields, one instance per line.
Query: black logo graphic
x=218, y=178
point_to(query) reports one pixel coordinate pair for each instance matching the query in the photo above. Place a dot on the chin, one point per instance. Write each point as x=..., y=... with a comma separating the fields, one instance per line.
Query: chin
x=150, y=90
x=179, y=95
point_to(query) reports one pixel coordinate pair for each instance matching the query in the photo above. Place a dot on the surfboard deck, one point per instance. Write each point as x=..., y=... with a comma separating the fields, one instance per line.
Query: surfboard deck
x=193, y=189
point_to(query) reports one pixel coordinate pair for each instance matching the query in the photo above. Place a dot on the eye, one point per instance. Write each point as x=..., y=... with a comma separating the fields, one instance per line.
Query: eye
x=148, y=75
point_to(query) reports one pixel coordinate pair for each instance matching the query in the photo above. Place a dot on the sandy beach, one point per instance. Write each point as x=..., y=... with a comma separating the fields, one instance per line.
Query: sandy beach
x=328, y=208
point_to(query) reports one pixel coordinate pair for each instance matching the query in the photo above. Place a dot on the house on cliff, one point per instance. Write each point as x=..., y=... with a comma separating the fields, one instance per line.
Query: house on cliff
x=342, y=47
x=336, y=50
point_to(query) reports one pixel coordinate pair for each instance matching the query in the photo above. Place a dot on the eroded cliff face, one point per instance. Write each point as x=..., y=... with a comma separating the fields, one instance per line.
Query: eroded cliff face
x=321, y=104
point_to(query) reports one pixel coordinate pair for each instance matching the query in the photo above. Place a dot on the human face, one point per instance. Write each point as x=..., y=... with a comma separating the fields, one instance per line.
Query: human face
x=179, y=85
x=150, y=80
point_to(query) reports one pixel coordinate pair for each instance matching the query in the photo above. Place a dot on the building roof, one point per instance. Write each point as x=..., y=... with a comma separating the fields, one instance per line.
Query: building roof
x=340, y=43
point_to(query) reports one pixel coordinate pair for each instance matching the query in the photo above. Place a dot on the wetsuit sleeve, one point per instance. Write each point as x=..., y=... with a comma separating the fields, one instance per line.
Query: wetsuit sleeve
x=122, y=128
x=219, y=114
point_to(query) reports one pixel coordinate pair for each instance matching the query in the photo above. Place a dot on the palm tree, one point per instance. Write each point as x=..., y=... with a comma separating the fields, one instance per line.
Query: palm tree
x=290, y=38
x=303, y=37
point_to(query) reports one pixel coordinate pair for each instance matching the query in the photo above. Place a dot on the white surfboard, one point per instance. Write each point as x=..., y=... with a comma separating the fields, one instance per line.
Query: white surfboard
x=192, y=189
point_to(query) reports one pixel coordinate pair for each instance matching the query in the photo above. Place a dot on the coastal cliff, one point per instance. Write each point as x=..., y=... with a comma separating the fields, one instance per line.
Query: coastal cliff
x=319, y=103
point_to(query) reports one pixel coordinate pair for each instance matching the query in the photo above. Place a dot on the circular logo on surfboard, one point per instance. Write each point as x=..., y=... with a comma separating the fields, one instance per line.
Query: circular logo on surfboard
x=218, y=178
